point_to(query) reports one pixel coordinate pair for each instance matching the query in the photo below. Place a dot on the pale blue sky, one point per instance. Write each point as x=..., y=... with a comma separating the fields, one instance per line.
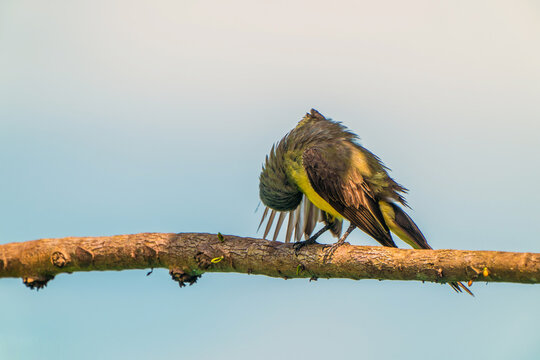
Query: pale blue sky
x=135, y=116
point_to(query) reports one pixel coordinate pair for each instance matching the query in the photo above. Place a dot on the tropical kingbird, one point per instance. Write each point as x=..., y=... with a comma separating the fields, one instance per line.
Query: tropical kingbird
x=319, y=173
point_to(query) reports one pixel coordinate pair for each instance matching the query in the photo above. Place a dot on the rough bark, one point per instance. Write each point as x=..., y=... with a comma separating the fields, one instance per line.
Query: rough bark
x=188, y=255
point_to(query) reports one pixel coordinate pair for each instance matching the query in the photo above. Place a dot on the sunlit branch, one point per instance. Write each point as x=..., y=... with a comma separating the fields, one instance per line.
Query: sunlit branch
x=188, y=255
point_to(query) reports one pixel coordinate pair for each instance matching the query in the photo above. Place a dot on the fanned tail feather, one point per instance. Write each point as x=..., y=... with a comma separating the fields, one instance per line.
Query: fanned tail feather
x=301, y=222
x=278, y=225
x=270, y=221
x=290, y=227
x=263, y=217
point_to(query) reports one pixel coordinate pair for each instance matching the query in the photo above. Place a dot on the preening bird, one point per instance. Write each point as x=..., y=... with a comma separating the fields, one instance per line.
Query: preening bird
x=319, y=173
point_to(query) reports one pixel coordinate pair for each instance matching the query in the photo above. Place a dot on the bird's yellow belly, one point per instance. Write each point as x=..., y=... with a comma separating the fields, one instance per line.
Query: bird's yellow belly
x=301, y=179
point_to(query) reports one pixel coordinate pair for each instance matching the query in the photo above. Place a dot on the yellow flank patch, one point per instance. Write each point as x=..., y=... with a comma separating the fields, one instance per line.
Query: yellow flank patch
x=301, y=179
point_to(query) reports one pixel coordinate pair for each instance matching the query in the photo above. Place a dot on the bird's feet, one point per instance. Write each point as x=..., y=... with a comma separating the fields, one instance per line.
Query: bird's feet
x=299, y=245
x=312, y=240
x=329, y=252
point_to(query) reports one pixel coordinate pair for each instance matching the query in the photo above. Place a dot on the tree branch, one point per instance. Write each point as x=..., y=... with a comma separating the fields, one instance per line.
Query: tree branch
x=188, y=255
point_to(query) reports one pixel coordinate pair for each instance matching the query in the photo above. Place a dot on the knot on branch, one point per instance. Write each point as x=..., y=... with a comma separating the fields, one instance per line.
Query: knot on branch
x=146, y=253
x=183, y=277
x=59, y=259
x=83, y=256
x=37, y=282
x=203, y=261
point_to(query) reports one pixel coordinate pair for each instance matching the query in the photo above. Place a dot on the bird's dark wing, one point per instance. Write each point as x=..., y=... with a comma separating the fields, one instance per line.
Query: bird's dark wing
x=332, y=174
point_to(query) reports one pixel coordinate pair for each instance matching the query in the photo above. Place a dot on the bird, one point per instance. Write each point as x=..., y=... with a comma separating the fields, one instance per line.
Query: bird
x=319, y=172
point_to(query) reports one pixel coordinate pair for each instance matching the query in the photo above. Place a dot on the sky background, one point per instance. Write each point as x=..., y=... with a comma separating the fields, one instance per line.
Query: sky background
x=155, y=116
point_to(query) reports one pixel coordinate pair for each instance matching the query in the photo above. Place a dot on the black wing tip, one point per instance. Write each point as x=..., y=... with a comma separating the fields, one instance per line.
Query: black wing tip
x=387, y=241
x=459, y=287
